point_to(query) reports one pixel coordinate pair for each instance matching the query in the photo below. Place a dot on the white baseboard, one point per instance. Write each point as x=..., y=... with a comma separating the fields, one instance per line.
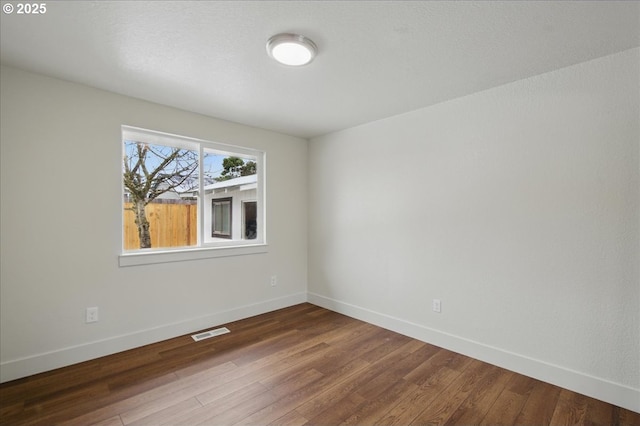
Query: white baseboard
x=613, y=393
x=27, y=366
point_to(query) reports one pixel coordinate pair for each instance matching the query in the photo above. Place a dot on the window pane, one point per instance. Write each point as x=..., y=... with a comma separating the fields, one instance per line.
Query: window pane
x=226, y=219
x=158, y=210
x=217, y=213
x=230, y=183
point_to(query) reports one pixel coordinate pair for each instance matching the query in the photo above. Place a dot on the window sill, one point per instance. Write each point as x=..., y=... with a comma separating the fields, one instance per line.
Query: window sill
x=149, y=258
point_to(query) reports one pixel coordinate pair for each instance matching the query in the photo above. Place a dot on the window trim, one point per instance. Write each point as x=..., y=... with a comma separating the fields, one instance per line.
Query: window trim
x=203, y=250
x=155, y=256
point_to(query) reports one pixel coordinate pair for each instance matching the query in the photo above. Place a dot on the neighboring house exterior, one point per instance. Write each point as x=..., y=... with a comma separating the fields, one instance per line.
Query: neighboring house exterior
x=169, y=195
x=230, y=209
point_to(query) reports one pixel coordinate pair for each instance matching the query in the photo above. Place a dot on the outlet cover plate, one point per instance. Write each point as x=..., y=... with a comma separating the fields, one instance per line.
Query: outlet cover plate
x=91, y=315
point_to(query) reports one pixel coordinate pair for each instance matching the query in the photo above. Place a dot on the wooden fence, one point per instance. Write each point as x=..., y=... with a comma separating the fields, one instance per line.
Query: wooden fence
x=170, y=225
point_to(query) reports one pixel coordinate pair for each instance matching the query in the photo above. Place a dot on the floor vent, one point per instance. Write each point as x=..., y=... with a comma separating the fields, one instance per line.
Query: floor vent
x=210, y=333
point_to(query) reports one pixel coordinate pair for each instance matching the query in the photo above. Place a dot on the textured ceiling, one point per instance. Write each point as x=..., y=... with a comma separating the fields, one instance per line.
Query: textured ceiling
x=376, y=59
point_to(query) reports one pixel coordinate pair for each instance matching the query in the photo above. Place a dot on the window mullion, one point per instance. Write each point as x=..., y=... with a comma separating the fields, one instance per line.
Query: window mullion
x=201, y=191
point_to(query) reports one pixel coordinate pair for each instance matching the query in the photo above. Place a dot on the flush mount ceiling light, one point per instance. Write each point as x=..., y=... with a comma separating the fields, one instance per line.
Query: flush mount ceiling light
x=291, y=49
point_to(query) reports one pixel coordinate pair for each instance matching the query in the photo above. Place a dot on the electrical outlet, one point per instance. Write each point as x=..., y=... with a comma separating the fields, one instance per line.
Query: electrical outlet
x=274, y=280
x=91, y=315
x=437, y=306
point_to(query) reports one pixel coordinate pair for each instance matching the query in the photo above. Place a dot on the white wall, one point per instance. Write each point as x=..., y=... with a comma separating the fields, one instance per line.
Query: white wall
x=518, y=207
x=61, y=230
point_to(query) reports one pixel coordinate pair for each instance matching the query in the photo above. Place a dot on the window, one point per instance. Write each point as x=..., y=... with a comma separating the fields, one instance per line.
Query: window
x=250, y=220
x=221, y=219
x=182, y=194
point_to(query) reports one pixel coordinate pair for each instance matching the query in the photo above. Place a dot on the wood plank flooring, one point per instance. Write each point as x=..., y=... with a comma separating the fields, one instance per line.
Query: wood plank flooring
x=302, y=365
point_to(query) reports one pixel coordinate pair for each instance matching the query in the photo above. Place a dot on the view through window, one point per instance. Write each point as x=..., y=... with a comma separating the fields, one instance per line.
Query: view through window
x=182, y=193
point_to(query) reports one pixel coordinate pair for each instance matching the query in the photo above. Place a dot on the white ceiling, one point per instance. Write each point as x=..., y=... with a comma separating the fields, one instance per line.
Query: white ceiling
x=376, y=59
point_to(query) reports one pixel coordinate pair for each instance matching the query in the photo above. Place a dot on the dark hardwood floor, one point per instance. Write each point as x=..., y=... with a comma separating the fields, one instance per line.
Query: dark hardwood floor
x=296, y=366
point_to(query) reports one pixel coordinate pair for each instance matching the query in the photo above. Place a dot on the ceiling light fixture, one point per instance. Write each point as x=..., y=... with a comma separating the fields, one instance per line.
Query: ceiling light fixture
x=291, y=49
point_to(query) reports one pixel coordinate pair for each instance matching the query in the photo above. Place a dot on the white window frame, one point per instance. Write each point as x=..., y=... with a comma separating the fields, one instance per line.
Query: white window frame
x=202, y=250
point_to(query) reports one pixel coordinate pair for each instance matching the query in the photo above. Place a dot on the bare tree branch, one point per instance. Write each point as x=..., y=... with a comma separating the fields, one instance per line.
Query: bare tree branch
x=150, y=171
